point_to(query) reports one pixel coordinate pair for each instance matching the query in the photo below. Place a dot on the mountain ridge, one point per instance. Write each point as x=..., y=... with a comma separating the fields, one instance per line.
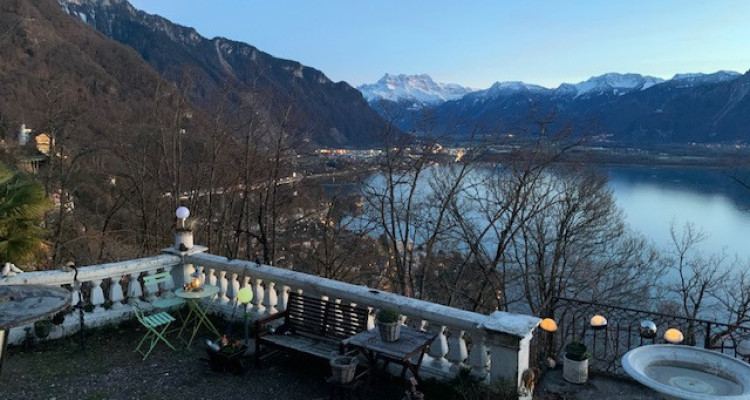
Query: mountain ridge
x=324, y=113
x=627, y=108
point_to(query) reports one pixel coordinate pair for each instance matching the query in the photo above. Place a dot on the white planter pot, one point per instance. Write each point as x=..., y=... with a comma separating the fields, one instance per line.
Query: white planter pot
x=389, y=332
x=183, y=237
x=575, y=371
x=343, y=368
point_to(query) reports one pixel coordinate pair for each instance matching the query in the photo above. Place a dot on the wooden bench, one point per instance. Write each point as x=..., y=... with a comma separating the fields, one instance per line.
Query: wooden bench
x=311, y=325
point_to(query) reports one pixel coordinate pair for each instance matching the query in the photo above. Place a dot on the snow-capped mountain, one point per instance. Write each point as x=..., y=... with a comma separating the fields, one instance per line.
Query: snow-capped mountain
x=499, y=89
x=688, y=80
x=632, y=108
x=418, y=89
x=611, y=83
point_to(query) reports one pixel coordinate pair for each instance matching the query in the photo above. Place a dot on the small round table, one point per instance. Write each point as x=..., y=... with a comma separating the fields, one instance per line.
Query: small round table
x=198, y=315
x=23, y=304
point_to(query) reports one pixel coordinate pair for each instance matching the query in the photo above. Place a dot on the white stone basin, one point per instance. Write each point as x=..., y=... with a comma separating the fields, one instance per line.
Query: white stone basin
x=691, y=373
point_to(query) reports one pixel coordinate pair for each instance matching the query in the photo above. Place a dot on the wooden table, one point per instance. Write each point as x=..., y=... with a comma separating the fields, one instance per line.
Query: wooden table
x=23, y=304
x=410, y=343
x=197, y=314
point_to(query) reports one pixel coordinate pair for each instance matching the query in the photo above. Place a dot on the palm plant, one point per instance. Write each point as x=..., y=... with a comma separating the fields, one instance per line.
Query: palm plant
x=22, y=207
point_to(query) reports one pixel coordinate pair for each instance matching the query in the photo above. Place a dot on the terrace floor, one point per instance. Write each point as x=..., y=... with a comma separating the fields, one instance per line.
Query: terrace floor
x=109, y=369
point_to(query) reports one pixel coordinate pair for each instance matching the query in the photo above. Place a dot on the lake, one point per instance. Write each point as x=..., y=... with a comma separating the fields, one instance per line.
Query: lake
x=654, y=197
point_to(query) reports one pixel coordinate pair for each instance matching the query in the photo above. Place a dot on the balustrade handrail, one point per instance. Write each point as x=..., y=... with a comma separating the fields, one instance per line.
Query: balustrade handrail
x=94, y=272
x=432, y=312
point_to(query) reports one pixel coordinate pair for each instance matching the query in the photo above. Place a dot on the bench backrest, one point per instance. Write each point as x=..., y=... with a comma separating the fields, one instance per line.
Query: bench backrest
x=154, y=279
x=325, y=318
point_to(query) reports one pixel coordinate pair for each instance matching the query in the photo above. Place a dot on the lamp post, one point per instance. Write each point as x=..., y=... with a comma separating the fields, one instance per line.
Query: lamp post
x=183, y=237
x=550, y=326
x=598, y=323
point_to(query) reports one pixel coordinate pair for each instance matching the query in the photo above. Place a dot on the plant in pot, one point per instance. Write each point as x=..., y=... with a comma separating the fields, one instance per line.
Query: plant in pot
x=226, y=354
x=576, y=365
x=43, y=327
x=389, y=324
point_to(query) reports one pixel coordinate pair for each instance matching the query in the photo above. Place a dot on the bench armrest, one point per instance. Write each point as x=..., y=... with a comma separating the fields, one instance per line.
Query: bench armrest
x=260, y=322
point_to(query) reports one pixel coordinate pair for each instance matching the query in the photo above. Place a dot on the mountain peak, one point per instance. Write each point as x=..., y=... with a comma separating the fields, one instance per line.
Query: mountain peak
x=695, y=79
x=418, y=89
x=614, y=83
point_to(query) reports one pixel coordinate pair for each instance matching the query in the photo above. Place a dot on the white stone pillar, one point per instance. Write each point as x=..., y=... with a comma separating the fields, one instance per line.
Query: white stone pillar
x=115, y=293
x=438, y=350
x=97, y=295
x=134, y=286
x=457, y=353
x=479, y=360
x=270, y=298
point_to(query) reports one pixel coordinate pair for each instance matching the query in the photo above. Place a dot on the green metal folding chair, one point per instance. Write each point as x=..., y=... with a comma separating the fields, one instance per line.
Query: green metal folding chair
x=156, y=325
x=166, y=302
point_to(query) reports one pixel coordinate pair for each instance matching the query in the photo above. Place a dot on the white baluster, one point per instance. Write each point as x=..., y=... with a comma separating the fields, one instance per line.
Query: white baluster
x=75, y=295
x=457, y=352
x=115, y=293
x=168, y=285
x=187, y=271
x=438, y=349
x=258, y=307
x=202, y=275
x=233, y=286
x=134, y=286
x=222, y=283
x=210, y=278
x=479, y=358
x=97, y=295
x=151, y=289
x=370, y=319
x=283, y=298
x=270, y=298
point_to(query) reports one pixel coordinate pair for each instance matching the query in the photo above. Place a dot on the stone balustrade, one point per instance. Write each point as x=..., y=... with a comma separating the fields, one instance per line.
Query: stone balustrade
x=464, y=339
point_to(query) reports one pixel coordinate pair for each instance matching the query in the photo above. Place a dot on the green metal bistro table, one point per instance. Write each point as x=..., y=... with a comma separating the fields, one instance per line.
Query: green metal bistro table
x=198, y=314
x=23, y=304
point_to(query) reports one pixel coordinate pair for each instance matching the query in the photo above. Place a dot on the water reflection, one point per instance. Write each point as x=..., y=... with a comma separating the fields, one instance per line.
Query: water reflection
x=653, y=198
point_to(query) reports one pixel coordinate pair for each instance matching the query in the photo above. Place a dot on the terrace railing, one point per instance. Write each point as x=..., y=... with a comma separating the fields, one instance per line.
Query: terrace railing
x=464, y=339
x=622, y=332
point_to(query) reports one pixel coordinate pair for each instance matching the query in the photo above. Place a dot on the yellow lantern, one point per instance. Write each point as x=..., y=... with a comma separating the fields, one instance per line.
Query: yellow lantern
x=673, y=336
x=548, y=324
x=598, y=322
x=195, y=281
x=244, y=295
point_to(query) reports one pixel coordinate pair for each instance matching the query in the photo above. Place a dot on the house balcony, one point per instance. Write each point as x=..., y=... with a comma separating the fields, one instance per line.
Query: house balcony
x=493, y=347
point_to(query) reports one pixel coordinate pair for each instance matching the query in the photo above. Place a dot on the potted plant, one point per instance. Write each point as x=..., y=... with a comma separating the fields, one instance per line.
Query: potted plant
x=43, y=327
x=389, y=324
x=226, y=355
x=576, y=364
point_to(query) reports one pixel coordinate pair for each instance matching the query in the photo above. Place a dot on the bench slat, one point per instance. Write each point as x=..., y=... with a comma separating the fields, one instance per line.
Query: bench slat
x=317, y=326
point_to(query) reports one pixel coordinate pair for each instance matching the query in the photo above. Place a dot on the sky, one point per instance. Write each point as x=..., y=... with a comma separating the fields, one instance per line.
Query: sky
x=476, y=43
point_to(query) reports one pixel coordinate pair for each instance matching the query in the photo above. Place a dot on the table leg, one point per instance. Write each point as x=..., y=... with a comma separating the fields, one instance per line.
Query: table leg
x=202, y=319
x=186, y=322
x=4, y=340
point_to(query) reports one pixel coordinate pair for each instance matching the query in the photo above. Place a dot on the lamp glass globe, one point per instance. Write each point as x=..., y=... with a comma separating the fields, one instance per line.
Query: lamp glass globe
x=182, y=212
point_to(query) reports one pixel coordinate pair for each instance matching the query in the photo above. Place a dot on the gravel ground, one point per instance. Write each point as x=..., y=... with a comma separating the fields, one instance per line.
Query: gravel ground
x=109, y=369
